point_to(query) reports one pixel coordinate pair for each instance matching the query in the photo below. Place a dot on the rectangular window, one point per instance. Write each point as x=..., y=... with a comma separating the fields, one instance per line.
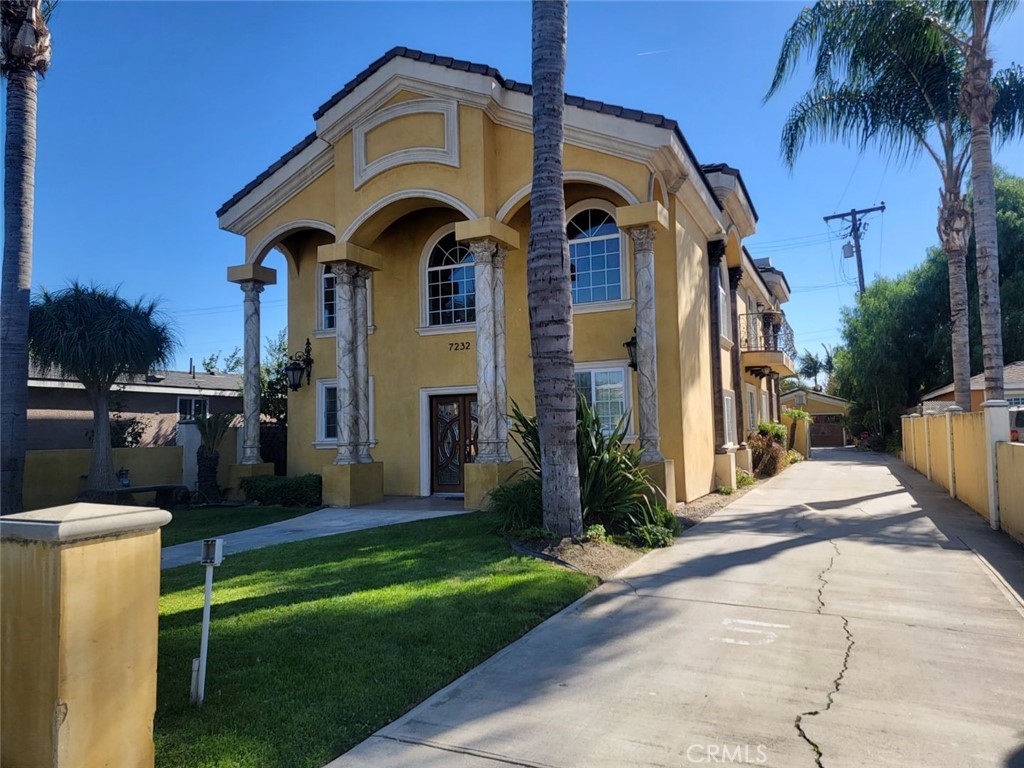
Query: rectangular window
x=751, y=410
x=730, y=418
x=1015, y=400
x=724, y=309
x=604, y=389
x=764, y=407
x=190, y=407
x=596, y=268
x=327, y=414
x=328, y=317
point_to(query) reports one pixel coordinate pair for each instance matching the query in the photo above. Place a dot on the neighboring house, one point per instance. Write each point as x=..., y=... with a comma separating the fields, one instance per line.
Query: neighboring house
x=828, y=411
x=404, y=219
x=939, y=400
x=60, y=412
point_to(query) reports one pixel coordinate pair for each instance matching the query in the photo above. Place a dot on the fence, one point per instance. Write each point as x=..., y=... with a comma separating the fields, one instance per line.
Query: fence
x=969, y=455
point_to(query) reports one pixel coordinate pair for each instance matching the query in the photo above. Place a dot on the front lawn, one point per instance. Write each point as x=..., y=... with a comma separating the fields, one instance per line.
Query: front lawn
x=208, y=522
x=317, y=644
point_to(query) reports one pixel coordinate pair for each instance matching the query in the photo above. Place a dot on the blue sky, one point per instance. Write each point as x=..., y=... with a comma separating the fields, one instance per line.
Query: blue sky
x=154, y=113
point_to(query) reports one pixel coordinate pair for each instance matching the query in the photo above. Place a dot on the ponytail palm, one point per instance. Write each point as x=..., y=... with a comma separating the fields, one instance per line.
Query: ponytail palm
x=885, y=77
x=97, y=337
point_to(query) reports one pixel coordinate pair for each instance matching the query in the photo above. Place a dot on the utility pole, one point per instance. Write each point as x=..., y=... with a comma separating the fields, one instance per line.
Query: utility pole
x=855, y=226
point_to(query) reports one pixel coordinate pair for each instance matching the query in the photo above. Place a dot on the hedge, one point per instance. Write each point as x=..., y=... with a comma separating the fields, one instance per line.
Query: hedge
x=302, y=491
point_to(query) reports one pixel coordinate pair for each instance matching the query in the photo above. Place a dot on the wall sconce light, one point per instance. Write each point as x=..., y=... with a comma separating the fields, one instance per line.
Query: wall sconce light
x=631, y=350
x=301, y=363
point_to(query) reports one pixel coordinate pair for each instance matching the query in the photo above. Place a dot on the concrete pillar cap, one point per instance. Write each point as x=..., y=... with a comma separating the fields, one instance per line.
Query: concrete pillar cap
x=74, y=522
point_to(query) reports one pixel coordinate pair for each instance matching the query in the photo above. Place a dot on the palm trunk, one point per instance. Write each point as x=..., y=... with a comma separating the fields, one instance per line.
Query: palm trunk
x=549, y=289
x=101, y=466
x=954, y=226
x=979, y=97
x=19, y=193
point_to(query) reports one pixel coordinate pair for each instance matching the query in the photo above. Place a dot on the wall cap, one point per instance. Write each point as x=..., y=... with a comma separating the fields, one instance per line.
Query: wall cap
x=996, y=404
x=74, y=522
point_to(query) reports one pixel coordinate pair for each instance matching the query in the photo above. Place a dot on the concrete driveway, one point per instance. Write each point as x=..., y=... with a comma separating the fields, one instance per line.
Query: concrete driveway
x=845, y=614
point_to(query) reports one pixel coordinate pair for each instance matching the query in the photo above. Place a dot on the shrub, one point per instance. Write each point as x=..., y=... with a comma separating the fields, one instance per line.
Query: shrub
x=651, y=536
x=876, y=442
x=518, y=502
x=596, y=533
x=744, y=478
x=536, y=533
x=776, y=432
x=614, y=491
x=302, y=491
x=664, y=518
x=768, y=455
x=725, y=490
x=793, y=457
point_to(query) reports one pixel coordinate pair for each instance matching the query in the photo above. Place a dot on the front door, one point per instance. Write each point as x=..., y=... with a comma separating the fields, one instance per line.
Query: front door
x=452, y=441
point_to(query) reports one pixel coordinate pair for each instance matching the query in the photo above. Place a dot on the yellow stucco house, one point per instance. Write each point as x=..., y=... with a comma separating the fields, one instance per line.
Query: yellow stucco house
x=404, y=220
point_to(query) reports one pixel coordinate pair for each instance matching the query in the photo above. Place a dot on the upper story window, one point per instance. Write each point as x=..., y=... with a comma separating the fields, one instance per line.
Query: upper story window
x=595, y=256
x=451, y=289
x=193, y=407
x=724, y=304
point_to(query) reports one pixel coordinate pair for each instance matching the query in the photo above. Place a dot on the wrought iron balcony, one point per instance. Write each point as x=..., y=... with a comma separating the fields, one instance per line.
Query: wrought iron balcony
x=766, y=342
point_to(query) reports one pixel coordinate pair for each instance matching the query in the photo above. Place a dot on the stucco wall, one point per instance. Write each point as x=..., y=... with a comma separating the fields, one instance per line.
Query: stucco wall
x=1010, y=465
x=938, y=449
x=56, y=477
x=969, y=461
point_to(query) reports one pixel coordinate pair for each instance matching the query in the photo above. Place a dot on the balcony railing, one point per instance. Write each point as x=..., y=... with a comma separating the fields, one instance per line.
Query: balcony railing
x=766, y=332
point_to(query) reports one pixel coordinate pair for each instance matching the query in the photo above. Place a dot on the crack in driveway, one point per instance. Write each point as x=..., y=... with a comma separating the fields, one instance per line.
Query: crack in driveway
x=838, y=681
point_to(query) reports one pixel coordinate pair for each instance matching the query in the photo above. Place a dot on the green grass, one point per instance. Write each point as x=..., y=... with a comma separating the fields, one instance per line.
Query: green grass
x=317, y=644
x=205, y=523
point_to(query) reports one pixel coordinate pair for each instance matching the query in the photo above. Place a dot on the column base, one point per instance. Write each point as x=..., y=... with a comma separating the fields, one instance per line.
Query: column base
x=663, y=477
x=480, y=479
x=725, y=469
x=744, y=459
x=235, y=474
x=352, y=485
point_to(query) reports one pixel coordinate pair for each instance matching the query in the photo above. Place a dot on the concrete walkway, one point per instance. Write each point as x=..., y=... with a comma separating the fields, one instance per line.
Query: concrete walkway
x=847, y=609
x=323, y=522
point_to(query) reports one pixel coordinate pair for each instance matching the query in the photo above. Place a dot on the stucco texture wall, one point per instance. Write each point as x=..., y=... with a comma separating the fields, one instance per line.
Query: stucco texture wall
x=1010, y=466
x=969, y=461
x=396, y=212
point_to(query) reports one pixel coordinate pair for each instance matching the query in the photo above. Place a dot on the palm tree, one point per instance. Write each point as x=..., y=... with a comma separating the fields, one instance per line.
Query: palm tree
x=810, y=366
x=967, y=25
x=828, y=365
x=883, y=77
x=24, y=54
x=97, y=337
x=549, y=290
x=212, y=430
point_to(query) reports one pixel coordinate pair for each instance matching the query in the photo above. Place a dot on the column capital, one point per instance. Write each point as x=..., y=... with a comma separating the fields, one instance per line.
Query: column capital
x=345, y=271
x=735, y=275
x=483, y=250
x=487, y=229
x=499, y=257
x=252, y=273
x=716, y=252
x=642, y=237
x=251, y=288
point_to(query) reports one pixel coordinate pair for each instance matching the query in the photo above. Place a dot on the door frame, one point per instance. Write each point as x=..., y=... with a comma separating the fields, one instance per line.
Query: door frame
x=425, y=394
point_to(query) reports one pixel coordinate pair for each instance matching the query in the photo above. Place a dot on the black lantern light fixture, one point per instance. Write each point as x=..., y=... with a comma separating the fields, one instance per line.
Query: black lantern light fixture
x=631, y=350
x=301, y=363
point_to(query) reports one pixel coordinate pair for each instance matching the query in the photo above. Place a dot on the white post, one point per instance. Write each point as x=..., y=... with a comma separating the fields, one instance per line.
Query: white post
x=950, y=412
x=997, y=430
x=204, y=642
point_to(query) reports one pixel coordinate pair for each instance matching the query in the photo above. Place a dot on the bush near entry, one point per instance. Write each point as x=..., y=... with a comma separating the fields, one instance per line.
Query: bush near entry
x=302, y=491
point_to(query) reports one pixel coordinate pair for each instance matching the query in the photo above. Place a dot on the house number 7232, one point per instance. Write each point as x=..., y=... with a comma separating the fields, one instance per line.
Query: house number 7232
x=458, y=346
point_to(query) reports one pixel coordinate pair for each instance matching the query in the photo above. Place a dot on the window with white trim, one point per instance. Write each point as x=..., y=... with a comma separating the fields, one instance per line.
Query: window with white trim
x=190, y=407
x=1015, y=400
x=730, y=417
x=724, y=306
x=450, y=283
x=606, y=390
x=595, y=256
x=764, y=406
x=751, y=410
x=327, y=300
x=327, y=414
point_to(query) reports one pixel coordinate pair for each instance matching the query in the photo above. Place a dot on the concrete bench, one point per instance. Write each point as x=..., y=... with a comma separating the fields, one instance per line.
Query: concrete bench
x=167, y=494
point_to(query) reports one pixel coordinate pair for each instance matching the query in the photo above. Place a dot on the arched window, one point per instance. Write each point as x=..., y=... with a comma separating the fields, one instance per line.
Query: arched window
x=451, y=290
x=595, y=256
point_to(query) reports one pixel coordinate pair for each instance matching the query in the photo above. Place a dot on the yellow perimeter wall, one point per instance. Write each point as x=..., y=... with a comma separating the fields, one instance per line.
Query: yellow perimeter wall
x=53, y=478
x=969, y=461
x=1010, y=466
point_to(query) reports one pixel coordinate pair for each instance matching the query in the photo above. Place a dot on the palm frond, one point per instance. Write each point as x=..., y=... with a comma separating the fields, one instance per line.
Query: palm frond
x=1008, y=113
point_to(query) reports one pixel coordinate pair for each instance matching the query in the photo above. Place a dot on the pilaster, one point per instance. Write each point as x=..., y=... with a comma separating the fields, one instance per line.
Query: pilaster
x=716, y=251
x=642, y=237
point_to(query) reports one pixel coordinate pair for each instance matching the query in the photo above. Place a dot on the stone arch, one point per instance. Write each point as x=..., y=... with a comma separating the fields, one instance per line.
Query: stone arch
x=276, y=237
x=521, y=195
x=369, y=224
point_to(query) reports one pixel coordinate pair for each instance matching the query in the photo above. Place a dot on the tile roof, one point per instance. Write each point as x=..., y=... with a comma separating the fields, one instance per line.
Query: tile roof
x=649, y=118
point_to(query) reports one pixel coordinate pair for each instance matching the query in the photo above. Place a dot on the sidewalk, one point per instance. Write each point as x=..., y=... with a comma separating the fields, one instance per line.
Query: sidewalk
x=323, y=522
x=839, y=609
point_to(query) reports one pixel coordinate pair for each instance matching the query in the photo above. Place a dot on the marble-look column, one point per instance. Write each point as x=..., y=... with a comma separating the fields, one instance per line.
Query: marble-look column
x=347, y=383
x=251, y=378
x=359, y=288
x=486, y=402
x=735, y=275
x=646, y=342
x=716, y=251
x=500, y=375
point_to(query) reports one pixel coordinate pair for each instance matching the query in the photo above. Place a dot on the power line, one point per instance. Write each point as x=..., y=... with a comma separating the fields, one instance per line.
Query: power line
x=856, y=229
